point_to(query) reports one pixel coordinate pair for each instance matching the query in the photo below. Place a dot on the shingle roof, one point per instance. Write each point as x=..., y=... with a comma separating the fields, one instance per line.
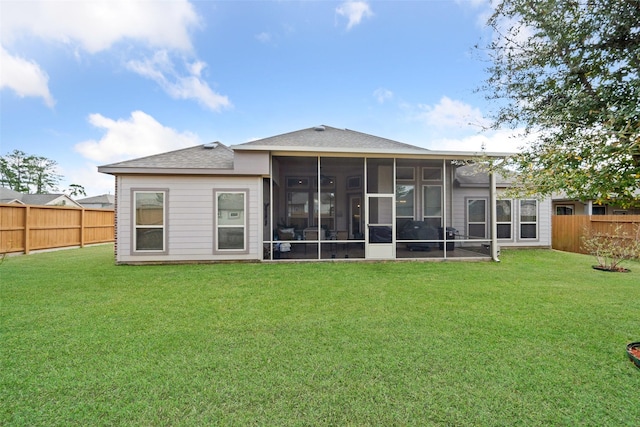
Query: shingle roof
x=103, y=198
x=7, y=195
x=208, y=156
x=326, y=138
x=473, y=176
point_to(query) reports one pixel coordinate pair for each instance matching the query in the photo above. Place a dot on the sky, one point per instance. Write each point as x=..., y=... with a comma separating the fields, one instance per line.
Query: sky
x=89, y=83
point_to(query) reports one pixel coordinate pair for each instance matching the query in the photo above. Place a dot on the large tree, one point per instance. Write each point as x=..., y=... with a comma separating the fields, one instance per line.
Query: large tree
x=27, y=173
x=568, y=73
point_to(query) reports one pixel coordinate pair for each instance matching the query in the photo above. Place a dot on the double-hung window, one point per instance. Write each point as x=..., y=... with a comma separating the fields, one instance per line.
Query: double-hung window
x=528, y=219
x=503, y=218
x=477, y=218
x=231, y=223
x=149, y=221
x=432, y=205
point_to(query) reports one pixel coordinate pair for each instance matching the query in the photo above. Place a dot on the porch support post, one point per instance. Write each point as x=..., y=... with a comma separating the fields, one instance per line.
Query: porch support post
x=494, y=211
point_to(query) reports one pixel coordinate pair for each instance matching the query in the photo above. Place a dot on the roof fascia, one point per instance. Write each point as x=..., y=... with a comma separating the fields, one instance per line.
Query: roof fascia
x=281, y=150
x=117, y=170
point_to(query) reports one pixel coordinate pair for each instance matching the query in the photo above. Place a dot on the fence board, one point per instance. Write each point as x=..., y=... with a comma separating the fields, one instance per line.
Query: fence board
x=27, y=228
x=568, y=230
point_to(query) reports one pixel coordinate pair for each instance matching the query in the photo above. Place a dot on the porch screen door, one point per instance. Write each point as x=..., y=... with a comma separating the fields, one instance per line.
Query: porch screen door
x=379, y=221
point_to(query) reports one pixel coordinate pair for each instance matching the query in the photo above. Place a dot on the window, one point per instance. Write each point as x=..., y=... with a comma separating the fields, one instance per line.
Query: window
x=405, y=173
x=231, y=222
x=528, y=219
x=432, y=174
x=405, y=201
x=503, y=218
x=564, y=210
x=477, y=218
x=298, y=209
x=326, y=209
x=598, y=210
x=432, y=205
x=303, y=207
x=149, y=223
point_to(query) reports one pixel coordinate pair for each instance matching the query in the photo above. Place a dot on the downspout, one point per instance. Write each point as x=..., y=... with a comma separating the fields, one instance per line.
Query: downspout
x=494, y=212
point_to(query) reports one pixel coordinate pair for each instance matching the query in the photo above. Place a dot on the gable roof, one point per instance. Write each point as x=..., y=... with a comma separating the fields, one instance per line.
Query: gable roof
x=9, y=196
x=201, y=157
x=216, y=158
x=330, y=139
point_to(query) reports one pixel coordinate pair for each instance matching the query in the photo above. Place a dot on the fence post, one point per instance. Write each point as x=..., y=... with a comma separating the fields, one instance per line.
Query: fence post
x=82, y=227
x=27, y=231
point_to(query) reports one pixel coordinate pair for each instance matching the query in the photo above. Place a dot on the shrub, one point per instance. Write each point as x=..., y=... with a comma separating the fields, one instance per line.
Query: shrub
x=612, y=248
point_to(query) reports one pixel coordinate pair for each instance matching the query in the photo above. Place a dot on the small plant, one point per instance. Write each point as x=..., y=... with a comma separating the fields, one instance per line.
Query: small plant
x=611, y=249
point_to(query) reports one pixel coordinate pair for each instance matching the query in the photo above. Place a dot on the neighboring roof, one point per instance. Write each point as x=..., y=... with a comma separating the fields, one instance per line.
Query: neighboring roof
x=10, y=196
x=326, y=138
x=104, y=199
x=201, y=157
x=473, y=176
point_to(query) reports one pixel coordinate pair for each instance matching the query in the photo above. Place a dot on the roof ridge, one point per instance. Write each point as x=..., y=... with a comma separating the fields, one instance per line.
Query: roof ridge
x=164, y=153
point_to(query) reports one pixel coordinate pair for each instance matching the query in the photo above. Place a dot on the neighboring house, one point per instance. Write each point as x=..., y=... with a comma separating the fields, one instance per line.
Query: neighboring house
x=103, y=201
x=317, y=193
x=13, y=197
x=565, y=206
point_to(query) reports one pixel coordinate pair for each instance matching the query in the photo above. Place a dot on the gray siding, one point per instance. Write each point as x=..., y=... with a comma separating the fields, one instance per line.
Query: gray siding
x=190, y=217
x=459, y=217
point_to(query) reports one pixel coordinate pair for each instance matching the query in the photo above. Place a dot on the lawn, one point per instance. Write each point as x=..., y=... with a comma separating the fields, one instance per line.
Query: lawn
x=538, y=339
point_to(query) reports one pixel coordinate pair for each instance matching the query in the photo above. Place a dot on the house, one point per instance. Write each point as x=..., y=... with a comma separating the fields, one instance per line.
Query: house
x=103, y=201
x=317, y=193
x=563, y=205
x=13, y=197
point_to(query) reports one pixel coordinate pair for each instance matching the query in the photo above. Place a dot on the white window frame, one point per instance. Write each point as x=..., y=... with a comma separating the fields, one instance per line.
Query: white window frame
x=469, y=222
x=522, y=222
x=135, y=226
x=510, y=222
x=218, y=215
x=413, y=213
x=424, y=203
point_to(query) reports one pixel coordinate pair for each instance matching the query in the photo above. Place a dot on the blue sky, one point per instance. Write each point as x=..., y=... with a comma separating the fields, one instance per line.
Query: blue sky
x=92, y=83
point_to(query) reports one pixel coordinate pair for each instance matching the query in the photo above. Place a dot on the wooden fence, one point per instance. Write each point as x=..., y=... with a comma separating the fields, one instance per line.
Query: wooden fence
x=30, y=228
x=568, y=230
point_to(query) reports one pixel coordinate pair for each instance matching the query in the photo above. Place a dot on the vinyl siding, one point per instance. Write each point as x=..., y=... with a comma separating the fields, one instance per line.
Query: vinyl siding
x=459, y=217
x=190, y=217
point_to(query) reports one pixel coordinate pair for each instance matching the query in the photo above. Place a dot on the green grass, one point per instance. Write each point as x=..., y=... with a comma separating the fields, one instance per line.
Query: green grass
x=538, y=339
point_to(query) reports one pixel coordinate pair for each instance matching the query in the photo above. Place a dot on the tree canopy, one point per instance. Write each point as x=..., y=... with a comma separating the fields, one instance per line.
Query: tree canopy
x=568, y=73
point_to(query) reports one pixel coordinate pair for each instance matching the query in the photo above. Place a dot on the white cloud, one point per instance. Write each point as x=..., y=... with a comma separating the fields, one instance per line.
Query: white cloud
x=382, y=95
x=502, y=141
x=24, y=77
x=161, y=69
x=354, y=11
x=140, y=135
x=473, y=3
x=97, y=25
x=87, y=175
x=449, y=113
x=264, y=37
